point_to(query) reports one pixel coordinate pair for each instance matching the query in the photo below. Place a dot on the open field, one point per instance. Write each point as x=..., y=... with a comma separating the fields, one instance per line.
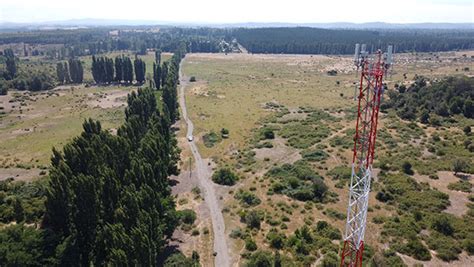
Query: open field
x=33, y=123
x=231, y=90
x=243, y=93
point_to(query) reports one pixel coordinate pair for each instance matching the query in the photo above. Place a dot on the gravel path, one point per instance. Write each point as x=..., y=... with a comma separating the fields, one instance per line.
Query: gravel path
x=204, y=175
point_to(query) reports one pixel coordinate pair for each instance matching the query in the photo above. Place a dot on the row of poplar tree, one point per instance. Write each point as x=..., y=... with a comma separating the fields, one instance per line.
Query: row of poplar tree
x=105, y=70
x=121, y=70
x=109, y=200
x=71, y=71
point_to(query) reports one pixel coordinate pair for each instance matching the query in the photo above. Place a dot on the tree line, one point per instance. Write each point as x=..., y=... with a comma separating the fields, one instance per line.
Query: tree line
x=170, y=83
x=431, y=103
x=121, y=70
x=21, y=78
x=71, y=71
x=94, y=41
x=305, y=40
x=105, y=70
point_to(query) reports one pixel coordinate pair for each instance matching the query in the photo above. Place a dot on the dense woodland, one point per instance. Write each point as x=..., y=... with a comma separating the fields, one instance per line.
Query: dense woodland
x=324, y=41
x=296, y=40
x=430, y=101
x=108, y=197
x=81, y=42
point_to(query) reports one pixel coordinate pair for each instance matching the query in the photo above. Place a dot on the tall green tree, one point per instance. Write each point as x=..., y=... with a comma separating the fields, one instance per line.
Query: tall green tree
x=67, y=77
x=127, y=70
x=157, y=75
x=110, y=198
x=10, y=63
x=164, y=73
x=119, y=69
x=76, y=71
x=60, y=72
x=158, y=57
x=140, y=70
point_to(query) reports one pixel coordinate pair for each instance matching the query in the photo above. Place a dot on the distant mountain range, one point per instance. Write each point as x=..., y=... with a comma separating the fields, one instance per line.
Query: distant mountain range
x=335, y=25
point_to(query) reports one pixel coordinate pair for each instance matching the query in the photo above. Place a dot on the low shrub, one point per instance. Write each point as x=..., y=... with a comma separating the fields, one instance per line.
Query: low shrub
x=225, y=176
x=187, y=216
x=211, y=138
x=246, y=198
x=461, y=185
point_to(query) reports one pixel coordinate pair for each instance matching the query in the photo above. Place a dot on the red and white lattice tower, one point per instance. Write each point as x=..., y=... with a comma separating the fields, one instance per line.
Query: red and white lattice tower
x=373, y=68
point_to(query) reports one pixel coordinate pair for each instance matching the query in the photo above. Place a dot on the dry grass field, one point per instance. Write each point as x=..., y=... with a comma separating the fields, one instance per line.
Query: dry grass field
x=239, y=92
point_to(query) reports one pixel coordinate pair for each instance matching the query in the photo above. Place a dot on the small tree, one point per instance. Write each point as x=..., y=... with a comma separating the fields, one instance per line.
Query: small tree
x=19, y=211
x=224, y=176
x=467, y=130
x=252, y=219
x=268, y=133
x=406, y=166
x=459, y=165
x=250, y=245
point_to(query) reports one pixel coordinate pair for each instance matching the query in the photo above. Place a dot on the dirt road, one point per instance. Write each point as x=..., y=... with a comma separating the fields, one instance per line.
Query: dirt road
x=207, y=187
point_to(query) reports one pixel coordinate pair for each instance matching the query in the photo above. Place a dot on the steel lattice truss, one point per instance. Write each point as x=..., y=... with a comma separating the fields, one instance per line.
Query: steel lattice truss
x=369, y=96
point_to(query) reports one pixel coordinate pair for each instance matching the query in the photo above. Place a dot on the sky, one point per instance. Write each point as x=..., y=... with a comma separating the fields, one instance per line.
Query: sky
x=226, y=11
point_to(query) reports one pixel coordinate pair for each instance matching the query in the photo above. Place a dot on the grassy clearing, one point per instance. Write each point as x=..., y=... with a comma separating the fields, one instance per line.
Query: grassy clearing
x=35, y=122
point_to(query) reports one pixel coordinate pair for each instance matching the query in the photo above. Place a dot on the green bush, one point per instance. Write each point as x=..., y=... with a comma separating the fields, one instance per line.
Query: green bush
x=22, y=201
x=298, y=181
x=332, y=213
x=446, y=247
x=387, y=258
x=179, y=260
x=442, y=224
x=314, y=155
x=406, y=167
x=331, y=259
x=268, y=133
x=275, y=238
x=211, y=138
x=304, y=134
x=250, y=245
x=324, y=229
x=252, y=219
x=260, y=259
x=21, y=245
x=416, y=249
x=187, y=216
x=246, y=198
x=462, y=185
x=460, y=165
x=224, y=176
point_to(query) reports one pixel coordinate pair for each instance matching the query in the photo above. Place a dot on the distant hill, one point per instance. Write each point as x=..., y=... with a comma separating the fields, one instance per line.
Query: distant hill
x=335, y=25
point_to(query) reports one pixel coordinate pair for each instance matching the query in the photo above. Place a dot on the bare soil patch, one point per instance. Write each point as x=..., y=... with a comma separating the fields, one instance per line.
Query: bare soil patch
x=458, y=199
x=19, y=174
x=112, y=99
x=280, y=153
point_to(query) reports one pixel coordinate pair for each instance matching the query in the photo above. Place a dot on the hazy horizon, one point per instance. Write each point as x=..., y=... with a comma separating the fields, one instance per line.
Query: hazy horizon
x=243, y=11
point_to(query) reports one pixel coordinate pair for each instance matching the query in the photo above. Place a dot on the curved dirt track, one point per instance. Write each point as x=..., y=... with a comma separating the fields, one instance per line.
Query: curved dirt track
x=204, y=176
